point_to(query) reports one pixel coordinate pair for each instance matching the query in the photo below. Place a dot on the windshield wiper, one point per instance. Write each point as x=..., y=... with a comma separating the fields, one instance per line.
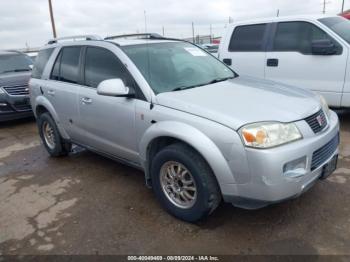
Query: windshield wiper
x=216, y=80
x=17, y=70
x=180, y=88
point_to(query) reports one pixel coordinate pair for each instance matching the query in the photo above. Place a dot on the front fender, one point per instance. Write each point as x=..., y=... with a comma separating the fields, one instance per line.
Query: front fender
x=43, y=101
x=193, y=137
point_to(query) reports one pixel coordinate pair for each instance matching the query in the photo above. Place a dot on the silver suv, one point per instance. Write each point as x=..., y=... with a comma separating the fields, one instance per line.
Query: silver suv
x=198, y=130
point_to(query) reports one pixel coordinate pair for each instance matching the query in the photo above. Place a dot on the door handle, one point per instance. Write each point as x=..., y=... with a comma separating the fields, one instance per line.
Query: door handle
x=51, y=93
x=272, y=62
x=86, y=100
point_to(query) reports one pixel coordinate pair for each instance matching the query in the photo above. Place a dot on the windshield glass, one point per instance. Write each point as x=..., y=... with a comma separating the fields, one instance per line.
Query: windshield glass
x=14, y=63
x=339, y=25
x=176, y=66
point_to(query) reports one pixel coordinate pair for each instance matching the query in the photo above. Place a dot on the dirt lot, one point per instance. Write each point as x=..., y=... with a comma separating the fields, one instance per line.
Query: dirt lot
x=86, y=204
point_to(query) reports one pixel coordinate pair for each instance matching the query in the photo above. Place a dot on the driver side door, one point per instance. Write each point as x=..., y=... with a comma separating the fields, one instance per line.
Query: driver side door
x=290, y=60
x=107, y=123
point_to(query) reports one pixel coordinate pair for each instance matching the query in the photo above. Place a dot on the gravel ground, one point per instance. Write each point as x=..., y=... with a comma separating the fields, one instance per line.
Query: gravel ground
x=87, y=204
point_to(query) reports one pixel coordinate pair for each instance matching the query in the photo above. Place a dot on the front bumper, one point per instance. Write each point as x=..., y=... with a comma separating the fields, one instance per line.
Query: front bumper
x=268, y=183
x=14, y=107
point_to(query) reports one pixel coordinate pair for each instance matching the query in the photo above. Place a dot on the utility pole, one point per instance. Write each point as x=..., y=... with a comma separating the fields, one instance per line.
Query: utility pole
x=144, y=13
x=324, y=6
x=163, y=31
x=325, y=3
x=211, y=34
x=342, y=7
x=52, y=20
x=193, y=33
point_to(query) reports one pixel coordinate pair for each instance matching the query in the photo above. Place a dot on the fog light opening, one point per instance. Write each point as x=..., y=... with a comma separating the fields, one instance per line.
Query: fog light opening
x=295, y=168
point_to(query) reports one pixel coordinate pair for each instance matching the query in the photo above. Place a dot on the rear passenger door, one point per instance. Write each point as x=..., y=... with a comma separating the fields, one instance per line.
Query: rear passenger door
x=108, y=123
x=245, y=51
x=290, y=60
x=62, y=88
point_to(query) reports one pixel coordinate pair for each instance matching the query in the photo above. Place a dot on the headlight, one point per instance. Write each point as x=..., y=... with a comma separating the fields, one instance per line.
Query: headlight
x=324, y=106
x=1, y=91
x=270, y=134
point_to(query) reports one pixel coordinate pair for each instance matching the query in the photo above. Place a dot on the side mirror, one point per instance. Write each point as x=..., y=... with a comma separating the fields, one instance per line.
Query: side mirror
x=323, y=47
x=114, y=87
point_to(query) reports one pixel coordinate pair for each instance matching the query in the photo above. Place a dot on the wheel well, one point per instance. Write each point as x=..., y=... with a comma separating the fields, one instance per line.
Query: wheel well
x=158, y=144
x=40, y=110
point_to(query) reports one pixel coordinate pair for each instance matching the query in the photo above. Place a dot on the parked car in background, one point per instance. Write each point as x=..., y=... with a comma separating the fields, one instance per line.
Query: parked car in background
x=198, y=130
x=305, y=51
x=32, y=55
x=15, y=70
x=211, y=48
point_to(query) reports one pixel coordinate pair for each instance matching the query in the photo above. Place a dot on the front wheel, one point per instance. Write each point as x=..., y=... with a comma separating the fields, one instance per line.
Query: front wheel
x=53, y=142
x=184, y=183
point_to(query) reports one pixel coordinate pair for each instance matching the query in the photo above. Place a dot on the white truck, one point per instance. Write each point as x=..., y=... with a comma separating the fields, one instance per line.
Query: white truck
x=305, y=51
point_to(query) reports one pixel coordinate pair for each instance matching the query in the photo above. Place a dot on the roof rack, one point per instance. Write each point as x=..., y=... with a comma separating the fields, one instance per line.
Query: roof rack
x=74, y=38
x=139, y=36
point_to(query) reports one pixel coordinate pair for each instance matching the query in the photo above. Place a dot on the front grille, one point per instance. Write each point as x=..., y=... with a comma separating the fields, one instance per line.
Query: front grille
x=17, y=90
x=317, y=121
x=323, y=153
x=22, y=107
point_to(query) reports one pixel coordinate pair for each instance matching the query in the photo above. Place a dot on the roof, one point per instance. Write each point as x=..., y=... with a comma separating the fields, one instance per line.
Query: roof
x=121, y=40
x=282, y=19
x=126, y=42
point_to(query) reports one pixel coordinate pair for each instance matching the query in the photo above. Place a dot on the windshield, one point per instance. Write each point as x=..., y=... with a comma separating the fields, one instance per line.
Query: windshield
x=14, y=63
x=175, y=66
x=339, y=25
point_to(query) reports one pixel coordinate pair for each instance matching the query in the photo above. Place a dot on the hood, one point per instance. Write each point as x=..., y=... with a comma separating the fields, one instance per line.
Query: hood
x=15, y=78
x=243, y=100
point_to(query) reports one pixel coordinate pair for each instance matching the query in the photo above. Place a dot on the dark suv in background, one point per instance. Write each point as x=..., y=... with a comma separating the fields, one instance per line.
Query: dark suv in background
x=15, y=71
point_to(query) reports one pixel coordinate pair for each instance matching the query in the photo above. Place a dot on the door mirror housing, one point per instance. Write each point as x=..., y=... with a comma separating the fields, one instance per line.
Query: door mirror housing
x=323, y=47
x=114, y=87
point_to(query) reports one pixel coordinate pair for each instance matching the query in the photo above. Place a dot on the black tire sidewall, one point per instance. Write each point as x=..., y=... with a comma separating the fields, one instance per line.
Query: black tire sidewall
x=201, y=207
x=57, y=151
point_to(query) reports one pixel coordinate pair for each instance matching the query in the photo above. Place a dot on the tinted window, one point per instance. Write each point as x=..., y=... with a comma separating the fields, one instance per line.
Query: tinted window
x=69, y=70
x=55, y=75
x=40, y=62
x=297, y=36
x=100, y=65
x=247, y=38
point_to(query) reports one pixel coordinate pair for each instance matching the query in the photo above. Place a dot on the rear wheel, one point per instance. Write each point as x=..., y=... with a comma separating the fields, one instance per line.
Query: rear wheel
x=53, y=142
x=184, y=183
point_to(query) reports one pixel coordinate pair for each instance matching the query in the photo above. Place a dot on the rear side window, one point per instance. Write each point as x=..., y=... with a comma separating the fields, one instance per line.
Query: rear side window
x=248, y=38
x=100, y=65
x=41, y=61
x=298, y=37
x=66, y=67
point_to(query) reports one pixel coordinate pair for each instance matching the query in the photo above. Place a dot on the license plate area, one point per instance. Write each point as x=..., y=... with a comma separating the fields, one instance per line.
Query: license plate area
x=330, y=167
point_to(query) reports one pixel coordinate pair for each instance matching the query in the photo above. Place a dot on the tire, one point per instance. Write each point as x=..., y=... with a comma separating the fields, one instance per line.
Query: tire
x=55, y=146
x=199, y=204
